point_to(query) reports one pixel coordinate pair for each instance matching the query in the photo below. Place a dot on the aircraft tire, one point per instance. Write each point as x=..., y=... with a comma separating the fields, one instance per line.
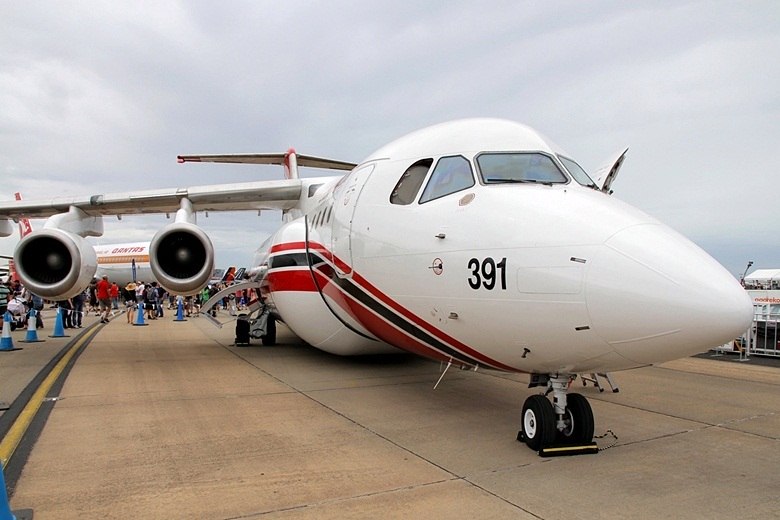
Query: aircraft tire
x=270, y=332
x=538, y=422
x=581, y=415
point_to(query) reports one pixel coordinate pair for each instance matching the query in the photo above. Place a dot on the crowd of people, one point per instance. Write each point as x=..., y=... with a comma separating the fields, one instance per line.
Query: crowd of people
x=17, y=301
x=104, y=298
x=155, y=299
x=148, y=297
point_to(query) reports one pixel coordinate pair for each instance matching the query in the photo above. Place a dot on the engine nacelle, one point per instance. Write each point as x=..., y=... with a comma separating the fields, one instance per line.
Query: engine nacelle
x=182, y=258
x=55, y=264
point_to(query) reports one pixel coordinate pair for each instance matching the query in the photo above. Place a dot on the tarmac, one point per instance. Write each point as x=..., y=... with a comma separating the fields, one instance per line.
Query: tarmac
x=170, y=420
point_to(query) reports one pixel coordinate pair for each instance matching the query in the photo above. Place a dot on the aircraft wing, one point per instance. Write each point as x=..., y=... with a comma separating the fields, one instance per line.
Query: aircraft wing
x=278, y=194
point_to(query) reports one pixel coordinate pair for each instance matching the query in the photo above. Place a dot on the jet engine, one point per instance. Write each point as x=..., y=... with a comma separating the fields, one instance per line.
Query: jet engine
x=182, y=258
x=54, y=263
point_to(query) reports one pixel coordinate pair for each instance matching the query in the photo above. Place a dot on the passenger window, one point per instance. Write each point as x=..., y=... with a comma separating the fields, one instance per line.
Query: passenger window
x=451, y=174
x=409, y=184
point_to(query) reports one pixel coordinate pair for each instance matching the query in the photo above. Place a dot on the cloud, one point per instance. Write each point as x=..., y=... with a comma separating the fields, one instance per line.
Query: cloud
x=102, y=99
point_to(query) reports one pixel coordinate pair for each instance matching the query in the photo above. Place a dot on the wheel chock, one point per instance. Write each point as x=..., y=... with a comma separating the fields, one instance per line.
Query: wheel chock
x=561, y=450
x=567, y=449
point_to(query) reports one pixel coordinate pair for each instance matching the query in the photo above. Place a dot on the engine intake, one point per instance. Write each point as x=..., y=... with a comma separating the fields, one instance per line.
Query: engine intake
x=55, y=264
x=182, y=258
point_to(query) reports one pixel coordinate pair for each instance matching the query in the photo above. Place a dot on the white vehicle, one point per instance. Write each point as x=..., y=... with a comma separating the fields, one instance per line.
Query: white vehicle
x=475, y=242
x=763, y=287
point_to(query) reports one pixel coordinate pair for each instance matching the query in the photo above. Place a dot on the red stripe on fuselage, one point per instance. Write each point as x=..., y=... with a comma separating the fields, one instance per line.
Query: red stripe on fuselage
x=383, y=329
x=290, y=280
x=288, y=246
x=416, y=320
x=370, y=320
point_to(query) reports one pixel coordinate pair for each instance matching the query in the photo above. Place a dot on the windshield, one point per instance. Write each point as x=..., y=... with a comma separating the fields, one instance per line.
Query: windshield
x=498, y=168
x=577, y=172
x=452, y=174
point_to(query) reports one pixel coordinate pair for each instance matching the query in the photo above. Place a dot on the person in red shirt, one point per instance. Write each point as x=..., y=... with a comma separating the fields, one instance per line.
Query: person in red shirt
x=103, y=293
x=114, y=293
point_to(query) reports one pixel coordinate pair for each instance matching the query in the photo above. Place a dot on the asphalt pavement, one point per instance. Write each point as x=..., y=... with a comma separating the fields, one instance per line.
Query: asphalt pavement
x=169, y=420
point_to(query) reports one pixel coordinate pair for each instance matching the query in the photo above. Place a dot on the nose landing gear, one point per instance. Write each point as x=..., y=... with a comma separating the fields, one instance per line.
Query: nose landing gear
x=563, y=427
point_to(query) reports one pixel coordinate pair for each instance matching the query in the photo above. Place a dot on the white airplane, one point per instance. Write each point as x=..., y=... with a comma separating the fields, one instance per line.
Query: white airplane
x=124, y=263
x=476, y=242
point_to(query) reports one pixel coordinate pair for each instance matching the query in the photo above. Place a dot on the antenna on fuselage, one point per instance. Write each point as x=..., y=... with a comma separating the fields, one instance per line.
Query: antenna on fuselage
x=449, y=364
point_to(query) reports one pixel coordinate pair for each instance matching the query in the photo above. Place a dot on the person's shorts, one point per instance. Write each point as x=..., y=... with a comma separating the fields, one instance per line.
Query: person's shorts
x=130, y=304
x=105, y=304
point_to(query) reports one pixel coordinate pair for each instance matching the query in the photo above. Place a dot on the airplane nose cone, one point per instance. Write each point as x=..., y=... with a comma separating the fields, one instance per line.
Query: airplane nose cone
x=654, y=296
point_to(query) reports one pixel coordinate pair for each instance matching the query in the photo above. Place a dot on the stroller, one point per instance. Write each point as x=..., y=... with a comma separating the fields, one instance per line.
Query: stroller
x=18, y=309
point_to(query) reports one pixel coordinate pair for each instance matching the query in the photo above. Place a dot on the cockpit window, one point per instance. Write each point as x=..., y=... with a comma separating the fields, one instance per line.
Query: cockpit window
x=577, y=172
x=408, y=185
x=509, y=167
x=450, y=175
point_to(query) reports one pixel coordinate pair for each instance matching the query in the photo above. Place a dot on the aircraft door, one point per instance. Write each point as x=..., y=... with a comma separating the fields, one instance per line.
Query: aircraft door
x=345, y=198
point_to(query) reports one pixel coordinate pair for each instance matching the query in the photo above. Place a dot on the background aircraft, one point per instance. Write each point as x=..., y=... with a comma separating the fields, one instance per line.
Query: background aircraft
x=476, y=242
x=124, y=263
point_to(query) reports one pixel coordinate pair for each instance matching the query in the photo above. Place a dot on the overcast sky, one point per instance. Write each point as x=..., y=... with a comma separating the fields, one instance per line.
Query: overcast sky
x=101, y=96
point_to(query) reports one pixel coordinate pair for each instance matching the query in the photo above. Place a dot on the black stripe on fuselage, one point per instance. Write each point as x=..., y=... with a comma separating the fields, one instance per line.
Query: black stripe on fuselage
x=346, y=285
x=367, y=300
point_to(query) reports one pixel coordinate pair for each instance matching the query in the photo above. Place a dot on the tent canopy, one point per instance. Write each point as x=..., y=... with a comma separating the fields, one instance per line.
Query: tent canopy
x=763, y=275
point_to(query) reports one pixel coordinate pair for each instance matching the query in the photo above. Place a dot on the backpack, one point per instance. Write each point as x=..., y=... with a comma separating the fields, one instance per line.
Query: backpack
x=37, y=302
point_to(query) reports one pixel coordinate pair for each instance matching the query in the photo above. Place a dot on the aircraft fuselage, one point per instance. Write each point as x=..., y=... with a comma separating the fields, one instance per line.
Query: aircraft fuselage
x=523, y=276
